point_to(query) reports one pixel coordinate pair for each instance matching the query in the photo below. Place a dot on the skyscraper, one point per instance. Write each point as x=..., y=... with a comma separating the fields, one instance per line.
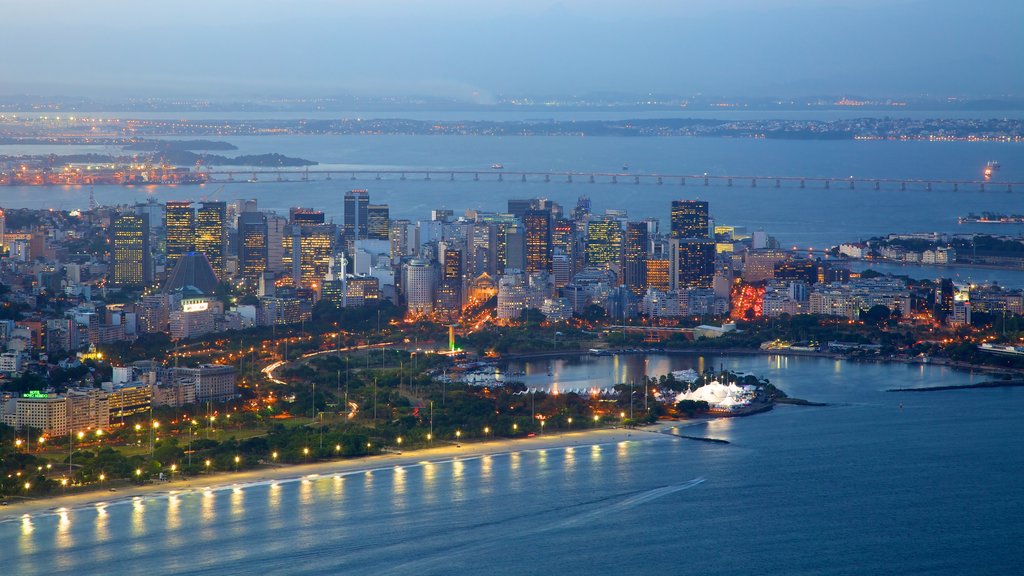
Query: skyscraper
x=377, y=218
x=419, y=286
x=604, y=243
x=693, y=263
x=689, y=219
x=634, y=273
x=252, y=245
x=180, y=228
x=449, y=290
x=133, y=265
x=310, y=247
x=211, y=234
x=537, y=228
x=357, y=203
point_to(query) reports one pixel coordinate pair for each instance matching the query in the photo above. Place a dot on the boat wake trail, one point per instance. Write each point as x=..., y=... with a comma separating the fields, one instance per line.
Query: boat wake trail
x=631, y=502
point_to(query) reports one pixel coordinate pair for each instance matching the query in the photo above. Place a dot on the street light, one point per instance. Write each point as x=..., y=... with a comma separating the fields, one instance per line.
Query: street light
x=238, y=460
x=570, y=422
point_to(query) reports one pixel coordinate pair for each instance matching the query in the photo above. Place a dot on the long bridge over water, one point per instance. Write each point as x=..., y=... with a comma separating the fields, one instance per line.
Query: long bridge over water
x=625, y=177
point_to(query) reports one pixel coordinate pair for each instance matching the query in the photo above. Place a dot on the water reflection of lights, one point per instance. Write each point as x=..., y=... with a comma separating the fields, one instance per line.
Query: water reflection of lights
x=595, y=453
x=173, y=512
x=26, y=524
x=237, y=501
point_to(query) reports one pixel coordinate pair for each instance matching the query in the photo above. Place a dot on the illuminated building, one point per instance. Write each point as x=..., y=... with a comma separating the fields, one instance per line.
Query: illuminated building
x=419, y=286
x=193, y=320
x=211, y=381
x=693, y=263
x=604, y=243
x=281, y=310
x=180, y=229
x=512, y=297
x=634, y=270
x=565, y=239
x=689, y=219
x=310, y=247
x=482, y=289
x=361, y=291
x=129, y=398
x=252, y=245
x=88, y=409
x=657, y=273
x=449, y=290
x=211, y=234
x=357, y=204
x=133, y=265
x=537, y=229
x=298, y=215
x=402, y=236
x=797, y=270
x=45, y=412
x=519, y=207
x=377, y=219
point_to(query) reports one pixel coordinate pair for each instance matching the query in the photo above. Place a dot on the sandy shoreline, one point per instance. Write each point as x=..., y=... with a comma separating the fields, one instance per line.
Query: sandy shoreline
x=222, y=480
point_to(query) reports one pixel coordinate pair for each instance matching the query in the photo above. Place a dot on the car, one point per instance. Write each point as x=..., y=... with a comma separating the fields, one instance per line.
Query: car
x=530, y=435
x=113, y=489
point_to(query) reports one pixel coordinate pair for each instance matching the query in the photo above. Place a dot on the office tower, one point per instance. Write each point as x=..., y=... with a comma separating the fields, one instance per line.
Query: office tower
x=581, y=212
x=180, y=229
x=357, y=203
x=449, y=289
x=309, y=251
x=402, y=236
x=658, y=272
x=211, y=234
x=693, y=263
x=419, y=286
x=604, y=243
x=518, y=208
x=634, y=273
x=252, y=245
x=514, y=248
x=133, y=265
x=689, y=219
x=276, y=243
x=537, y=230
x=377, y=218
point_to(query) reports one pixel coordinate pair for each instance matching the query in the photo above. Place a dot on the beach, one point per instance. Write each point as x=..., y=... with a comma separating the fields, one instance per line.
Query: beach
x=442, y=452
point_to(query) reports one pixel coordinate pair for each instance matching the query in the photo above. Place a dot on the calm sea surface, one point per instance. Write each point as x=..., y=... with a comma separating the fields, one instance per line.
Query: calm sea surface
x=863, y=486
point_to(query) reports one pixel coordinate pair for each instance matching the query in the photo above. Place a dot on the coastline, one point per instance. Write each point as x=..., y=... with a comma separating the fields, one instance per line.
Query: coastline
x=290, y=473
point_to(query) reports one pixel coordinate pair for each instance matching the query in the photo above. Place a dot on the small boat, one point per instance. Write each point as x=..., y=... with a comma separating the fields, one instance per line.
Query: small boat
x=497, y=166
x=990, y=167
x=625, y=167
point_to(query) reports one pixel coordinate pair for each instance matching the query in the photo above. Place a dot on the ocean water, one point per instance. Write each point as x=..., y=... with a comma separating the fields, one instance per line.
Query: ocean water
x=805, y=218
x=875, y=483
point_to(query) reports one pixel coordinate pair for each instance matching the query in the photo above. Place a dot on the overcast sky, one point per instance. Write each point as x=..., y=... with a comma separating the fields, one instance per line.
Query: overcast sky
x=476, y=49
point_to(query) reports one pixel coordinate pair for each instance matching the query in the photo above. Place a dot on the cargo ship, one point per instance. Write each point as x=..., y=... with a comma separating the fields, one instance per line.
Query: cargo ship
x=990, y=167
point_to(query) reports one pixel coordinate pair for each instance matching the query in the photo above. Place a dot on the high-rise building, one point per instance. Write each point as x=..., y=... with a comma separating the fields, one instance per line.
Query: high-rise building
x=604, y=243
x=252, y=245
x=537, y=229
x=515, y=248
x=133, y=265
x=582, y=210
x=357, y=204
x=693, y=263
x=449, y=290
x=689, y=219
x=402, y=235
x=519, y=207
x=212, y=233
x=308, y=253
x=180, y=229
x=658, y=271
x=419, y=286
x=377, y=218
x=276, y=234
x=634, y=272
